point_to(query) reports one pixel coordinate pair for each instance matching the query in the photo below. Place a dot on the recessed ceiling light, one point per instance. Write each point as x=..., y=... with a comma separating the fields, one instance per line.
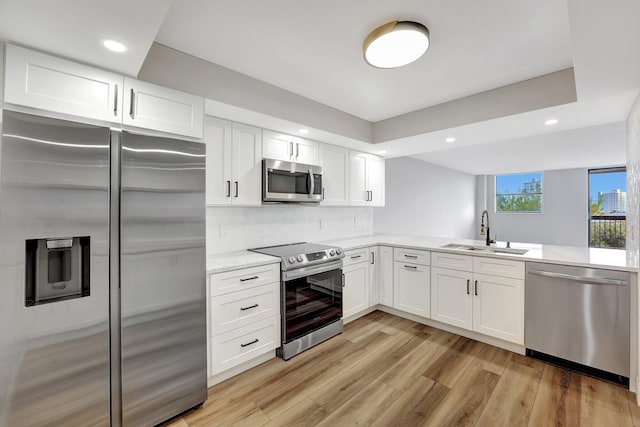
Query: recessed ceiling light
x=395, y=44
x=551, y=122
x=304, y=131
x=450, y=139
x=114, y=46
x=382, y=152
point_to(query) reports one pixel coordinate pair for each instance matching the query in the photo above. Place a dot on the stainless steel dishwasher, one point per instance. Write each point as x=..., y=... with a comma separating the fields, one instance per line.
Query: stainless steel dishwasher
x=579, y=317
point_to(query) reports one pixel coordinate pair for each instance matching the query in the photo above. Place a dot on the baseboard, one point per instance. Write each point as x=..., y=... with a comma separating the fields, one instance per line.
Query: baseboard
x=516, y=348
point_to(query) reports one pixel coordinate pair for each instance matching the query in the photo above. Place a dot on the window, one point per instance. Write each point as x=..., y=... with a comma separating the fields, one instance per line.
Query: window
x=520, y=192
x=607, y=208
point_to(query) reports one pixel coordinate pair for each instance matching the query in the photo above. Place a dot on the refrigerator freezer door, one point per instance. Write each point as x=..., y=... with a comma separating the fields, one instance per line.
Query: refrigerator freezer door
x=162, y=278
x=54, y=356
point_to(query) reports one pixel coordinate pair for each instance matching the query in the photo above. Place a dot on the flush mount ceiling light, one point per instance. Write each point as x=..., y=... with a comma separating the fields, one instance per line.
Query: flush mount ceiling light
x=450, y=139
x=551, y=122
x=303, y=131
x=395, y=44
x=114, y=46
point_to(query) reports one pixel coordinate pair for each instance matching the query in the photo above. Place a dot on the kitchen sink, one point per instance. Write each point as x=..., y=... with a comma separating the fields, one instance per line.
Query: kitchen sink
x=485, y=249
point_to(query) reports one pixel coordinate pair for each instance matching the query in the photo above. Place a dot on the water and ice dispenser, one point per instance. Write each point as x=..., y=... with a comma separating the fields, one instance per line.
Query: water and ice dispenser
x=56, y=269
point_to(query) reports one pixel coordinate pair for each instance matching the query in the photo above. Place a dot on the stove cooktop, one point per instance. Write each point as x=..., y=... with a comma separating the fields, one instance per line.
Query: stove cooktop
x=303, y=254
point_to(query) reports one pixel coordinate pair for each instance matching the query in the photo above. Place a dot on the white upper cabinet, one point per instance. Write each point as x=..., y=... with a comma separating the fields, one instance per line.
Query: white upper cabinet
x=335, y=175
x=246, y=165
x=155, y=107
x=366, y=179
x=375, y=179
x=280, y=146
x=306, y=151
x=36, y=80
x=233, y=163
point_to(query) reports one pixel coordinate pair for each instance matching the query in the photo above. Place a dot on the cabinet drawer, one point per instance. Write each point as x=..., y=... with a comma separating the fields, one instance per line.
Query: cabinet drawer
x=452, y=261
x=411, y=255
x=236, y=280
x=355, y=256
x=237, y=309
x=498, y=267
x=240, y=345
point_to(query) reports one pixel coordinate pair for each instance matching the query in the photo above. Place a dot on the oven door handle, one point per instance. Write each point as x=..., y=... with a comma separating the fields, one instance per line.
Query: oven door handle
x=310, y=271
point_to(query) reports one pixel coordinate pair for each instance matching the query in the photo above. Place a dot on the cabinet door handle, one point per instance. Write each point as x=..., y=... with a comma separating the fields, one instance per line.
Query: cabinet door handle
x=297, y=150
x=249, y=278
x=468, y=282
x=476, y=288
x=411, y=256
x=323, y=193
x=291, y=146
x=132, y=104
x=228, y=188
x=413, y=267
x=373, y=257
x=115, y=101
x=249, y=343
x=355, y=256
x=236, y=188
x=250, y=307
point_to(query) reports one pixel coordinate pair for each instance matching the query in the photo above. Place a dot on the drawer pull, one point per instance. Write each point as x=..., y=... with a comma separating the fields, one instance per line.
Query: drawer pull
x=413, y=267
x=356, y=256
x=411, y=256
x=250, y=307
x=249, y=278
x=249, y=343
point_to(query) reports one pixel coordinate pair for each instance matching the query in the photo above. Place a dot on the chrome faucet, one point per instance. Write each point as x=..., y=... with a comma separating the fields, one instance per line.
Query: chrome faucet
x=486, y=230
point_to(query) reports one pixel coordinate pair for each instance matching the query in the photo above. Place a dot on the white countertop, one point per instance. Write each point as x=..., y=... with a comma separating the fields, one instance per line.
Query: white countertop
x=238, y=259
x=614, y=259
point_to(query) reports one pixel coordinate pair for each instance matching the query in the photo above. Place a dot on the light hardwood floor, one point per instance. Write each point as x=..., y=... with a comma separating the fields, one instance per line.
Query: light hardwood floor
x=388, y=371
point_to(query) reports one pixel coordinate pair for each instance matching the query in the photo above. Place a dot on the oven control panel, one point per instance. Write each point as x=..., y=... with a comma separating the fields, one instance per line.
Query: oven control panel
x=312, y=258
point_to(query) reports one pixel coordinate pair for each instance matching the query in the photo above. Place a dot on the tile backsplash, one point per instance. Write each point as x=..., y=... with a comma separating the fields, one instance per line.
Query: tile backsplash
x=633, y=185
x=231, y=229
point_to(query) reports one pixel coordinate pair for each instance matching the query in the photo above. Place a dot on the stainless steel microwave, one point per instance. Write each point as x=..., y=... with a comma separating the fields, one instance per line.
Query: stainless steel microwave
x=290, y=182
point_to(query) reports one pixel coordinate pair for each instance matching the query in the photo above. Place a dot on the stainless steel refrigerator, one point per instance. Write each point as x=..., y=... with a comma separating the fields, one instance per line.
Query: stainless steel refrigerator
x=102, y=264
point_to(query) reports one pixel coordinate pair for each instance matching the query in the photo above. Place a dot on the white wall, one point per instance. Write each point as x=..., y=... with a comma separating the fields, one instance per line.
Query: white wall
x=565, y=216
x=279, y=224
x=633, y=185
x=426, y=199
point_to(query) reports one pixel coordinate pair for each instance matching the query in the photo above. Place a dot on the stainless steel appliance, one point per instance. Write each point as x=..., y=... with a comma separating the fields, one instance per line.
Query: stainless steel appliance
x=291, y=182
x=579, y=315
x=102, y=263
x=311, y=294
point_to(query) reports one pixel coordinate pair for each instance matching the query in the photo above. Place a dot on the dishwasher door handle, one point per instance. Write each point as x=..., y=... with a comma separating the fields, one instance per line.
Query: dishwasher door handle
x=599, y=281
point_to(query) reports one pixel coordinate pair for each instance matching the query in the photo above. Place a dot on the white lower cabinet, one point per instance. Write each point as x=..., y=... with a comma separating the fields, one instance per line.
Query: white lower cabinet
x=412, y=288
x=451, y=300
x=488, y=304
x=243, y=315
x=384, y=275
x=243, y=344
x=355, y=293
x=498, y=307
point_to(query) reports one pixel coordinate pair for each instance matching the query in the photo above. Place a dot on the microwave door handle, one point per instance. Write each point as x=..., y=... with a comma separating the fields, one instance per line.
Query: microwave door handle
x=311, y=185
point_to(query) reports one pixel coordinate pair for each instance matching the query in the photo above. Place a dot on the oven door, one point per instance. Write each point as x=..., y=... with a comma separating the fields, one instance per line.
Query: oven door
x=291, y=182
x=312, y=298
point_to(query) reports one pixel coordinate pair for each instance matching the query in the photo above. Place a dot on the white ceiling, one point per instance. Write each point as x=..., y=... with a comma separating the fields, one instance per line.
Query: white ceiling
x=75, y=28
x=313, y=49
